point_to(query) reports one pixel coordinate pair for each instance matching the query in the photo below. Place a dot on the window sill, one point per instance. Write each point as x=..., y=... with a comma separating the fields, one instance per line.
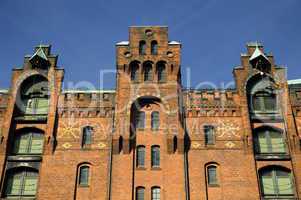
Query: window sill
x=156, y=168
x=213, y=185
x=283, y=197
x=83, y=186
x=140, y=168
x=24, y=157
x=21, y=197
x=38, y=118
x=272, y=156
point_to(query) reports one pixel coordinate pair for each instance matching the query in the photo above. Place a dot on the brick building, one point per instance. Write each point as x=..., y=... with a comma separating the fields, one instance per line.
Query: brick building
x=150, y=138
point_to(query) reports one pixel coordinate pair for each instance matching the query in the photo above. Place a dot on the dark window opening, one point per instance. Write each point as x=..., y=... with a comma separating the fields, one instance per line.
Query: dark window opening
x=209, y=135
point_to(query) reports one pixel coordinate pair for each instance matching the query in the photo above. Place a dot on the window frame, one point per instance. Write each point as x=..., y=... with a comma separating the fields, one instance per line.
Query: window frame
x=209, y=135
x=32, y=135
x=87, y=140
x=154, y=47
x=140, y=120
x=22, y=172
x=155, y=156
x=140, y=157
x=260, y=98
x=87, y=181
x=273, y=171
x=266, y=132
x=140, y=189
x=161, y=72
x=148, y=72
x=154, y=193
x=215, y=182
x=155, y=120
x=134, y=72
x=142, y=47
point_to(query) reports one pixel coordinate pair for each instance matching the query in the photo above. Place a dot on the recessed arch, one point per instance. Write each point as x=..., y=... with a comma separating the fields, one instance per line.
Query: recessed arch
x=21, y=182
x=33, y=95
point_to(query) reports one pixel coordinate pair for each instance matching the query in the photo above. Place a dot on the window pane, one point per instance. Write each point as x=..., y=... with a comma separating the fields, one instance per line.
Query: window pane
x=156, y=194
x=13, y=185
x=277, y=141
x=161, y=74
x=37, y=144
x=263, y=145
x=270, y=102
x=154, y=47
x=268, y=185
x=256, y=103
x=87, y=136
x=142, y=48
x=148, y=72
x=209, y=134
x=285, y=185
x=140, y=156
x=29, y=106
x=212, y=176
x=22, y=143
x=155, y=156
x=140, y=194
x=134, y=72
x=41, y=106
x=155, y=120
x=84, y=176
x=140, y=120
x=30, y=185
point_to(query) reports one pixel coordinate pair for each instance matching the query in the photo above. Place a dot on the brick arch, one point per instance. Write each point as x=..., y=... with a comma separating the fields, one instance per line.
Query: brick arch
x=276, y=166
x=148, y=96
x=256, y=78
x=26, y=75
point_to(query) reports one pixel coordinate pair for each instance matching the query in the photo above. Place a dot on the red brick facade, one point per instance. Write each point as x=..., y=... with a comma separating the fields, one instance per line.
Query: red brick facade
x=193, y=143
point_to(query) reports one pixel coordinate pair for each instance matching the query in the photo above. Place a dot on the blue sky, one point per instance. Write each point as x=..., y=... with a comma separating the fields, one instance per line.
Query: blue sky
x=213, y=34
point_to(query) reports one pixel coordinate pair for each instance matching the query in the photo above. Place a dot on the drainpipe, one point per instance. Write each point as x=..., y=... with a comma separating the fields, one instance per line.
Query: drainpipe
x=110, y=160
x=185, y=156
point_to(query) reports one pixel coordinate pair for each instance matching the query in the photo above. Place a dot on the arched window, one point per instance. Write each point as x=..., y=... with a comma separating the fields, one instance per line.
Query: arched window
x=209, y=135
x=34, y=95
x=155, y=121
x=134, y=67
x=276, y=182
x=140, y=120
x=28, y=143
x=21, y=182
x=140, y=156
x=140, y=193
x=264, y=101
x=83, y=176
x=154, y=47
x=155, y=157
x=161, y=70
x=142, y=47
x=269, y=141
x=87, y=136
x=148, y=71
x=212, y=175
x=156, y=193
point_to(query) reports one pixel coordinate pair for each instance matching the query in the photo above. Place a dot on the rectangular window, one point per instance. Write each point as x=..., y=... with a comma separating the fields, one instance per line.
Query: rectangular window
x=155, y=157
x=155, y=120
x=212, y=175
x=209, y=135
x=140, y=193
x=140, y=156
x=84, y=176
x=140, y=120
x=30, y=185
x=268, y=185
x=156, y=193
